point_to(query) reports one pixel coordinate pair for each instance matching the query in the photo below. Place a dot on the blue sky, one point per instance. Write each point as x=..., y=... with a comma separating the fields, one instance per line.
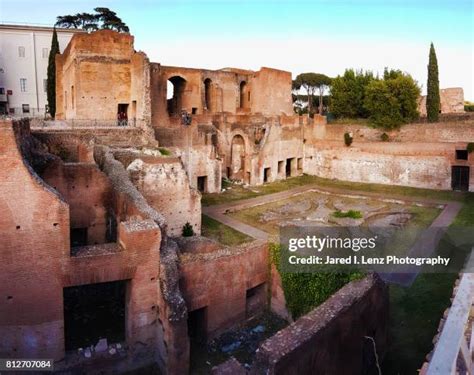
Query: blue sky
x=322, y=35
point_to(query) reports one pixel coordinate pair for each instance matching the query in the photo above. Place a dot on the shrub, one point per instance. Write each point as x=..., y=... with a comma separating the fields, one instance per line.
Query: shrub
x=305, y=291
x=392, y=101
x=164, y=151
x=353, y=214
x=469, y=107
x=470, y=147
x=384, y=137
x=348, y=139
x=188, y=230
x=348, y=93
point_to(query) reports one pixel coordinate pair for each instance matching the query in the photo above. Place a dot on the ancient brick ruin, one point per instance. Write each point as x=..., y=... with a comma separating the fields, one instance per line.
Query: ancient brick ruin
x=98, y=199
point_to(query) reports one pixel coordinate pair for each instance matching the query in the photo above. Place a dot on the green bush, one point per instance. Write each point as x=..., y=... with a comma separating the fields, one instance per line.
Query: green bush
x=384, y=137
x=348, y=139
x=188, y=230
x=348, y=93
x=353, y=214
x=164, y=151
x=469, y=107
x=470, y=147
x=392, y=101
x=305, y=291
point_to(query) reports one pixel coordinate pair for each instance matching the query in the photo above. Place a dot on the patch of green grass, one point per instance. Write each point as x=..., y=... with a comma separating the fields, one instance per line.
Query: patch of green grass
x=238, y=192
x=417, y=310
x=222, y=233
x=415, y=315
x=164, y=151
x=353, y=214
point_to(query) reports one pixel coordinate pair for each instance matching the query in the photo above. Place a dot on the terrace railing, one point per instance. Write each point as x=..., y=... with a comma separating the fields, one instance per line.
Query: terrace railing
x=89, y=123
x=453, y=353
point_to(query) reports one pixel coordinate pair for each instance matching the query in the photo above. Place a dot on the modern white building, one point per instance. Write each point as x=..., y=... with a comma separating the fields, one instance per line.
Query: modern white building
x=24, y=53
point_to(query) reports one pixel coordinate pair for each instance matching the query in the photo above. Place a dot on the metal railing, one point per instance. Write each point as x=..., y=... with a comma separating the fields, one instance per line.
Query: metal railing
x=20, y=112
x=453, y=353
x=89, y=123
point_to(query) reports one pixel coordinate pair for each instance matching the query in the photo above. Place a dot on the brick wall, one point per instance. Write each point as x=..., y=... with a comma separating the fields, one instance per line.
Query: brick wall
x=333, y=338
x=233, y=271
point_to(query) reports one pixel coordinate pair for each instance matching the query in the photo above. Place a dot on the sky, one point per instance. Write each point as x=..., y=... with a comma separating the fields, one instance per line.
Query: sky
x=325, y=36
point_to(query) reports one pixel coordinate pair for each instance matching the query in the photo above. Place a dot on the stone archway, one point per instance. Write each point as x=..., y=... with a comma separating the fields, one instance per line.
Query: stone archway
x=175, y=91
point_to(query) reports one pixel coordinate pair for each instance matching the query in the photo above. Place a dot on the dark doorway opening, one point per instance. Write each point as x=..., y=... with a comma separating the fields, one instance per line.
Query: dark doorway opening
x=460, y=178
x=197, y=331
x=266, y=174
x=197, y=325
x=288, y=167
x=461, y=154
x=122, y=114
x=175, y=96
x=92, y=312
x=207, y=94
x=255, y=300
x=202, y=183
x=78, y=237
x=243, y=91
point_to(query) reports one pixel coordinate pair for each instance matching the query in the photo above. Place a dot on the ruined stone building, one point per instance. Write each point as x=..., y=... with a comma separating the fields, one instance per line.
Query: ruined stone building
x=92, y=209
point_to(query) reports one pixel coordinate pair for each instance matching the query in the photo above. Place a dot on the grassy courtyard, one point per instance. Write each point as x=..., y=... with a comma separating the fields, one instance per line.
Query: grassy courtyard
x=415, y=311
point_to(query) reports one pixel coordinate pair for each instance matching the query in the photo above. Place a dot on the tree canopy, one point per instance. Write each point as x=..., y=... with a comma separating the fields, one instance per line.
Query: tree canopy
x=312, y=83
x=103, y=18
x=387, y=102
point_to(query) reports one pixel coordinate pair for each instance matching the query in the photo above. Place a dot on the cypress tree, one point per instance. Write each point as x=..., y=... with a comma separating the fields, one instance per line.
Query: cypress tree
x=432, y=98
x=51, y=88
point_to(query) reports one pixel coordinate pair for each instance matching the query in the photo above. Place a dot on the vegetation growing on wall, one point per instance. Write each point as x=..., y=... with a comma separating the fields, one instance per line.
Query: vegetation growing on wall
x=188, y=230
x=470, y=147
x=305, y=291
x=348, y=139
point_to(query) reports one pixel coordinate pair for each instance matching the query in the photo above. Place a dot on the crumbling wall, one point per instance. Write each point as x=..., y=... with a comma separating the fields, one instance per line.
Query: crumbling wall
x=100, y=72
x=338, y=337
x=271, y=92
x=165, y=185
x=234, y=271
x=432, y=172
x=418, y=155
x=451, y=100
x=173, y=347
x=89, y=195
x=34, y=231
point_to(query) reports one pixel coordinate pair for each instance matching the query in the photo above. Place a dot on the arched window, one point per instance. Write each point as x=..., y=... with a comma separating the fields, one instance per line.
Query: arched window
x=174, y=95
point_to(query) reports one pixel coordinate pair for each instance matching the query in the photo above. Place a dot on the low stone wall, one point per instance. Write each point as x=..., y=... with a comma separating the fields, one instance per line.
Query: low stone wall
x=338, y=337
x=119, y=137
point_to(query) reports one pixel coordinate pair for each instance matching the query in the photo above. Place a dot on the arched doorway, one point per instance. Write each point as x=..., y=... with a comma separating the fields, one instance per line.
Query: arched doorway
x=243, y=94
x=174, y=95
x=207, y=94
x=237, y=163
